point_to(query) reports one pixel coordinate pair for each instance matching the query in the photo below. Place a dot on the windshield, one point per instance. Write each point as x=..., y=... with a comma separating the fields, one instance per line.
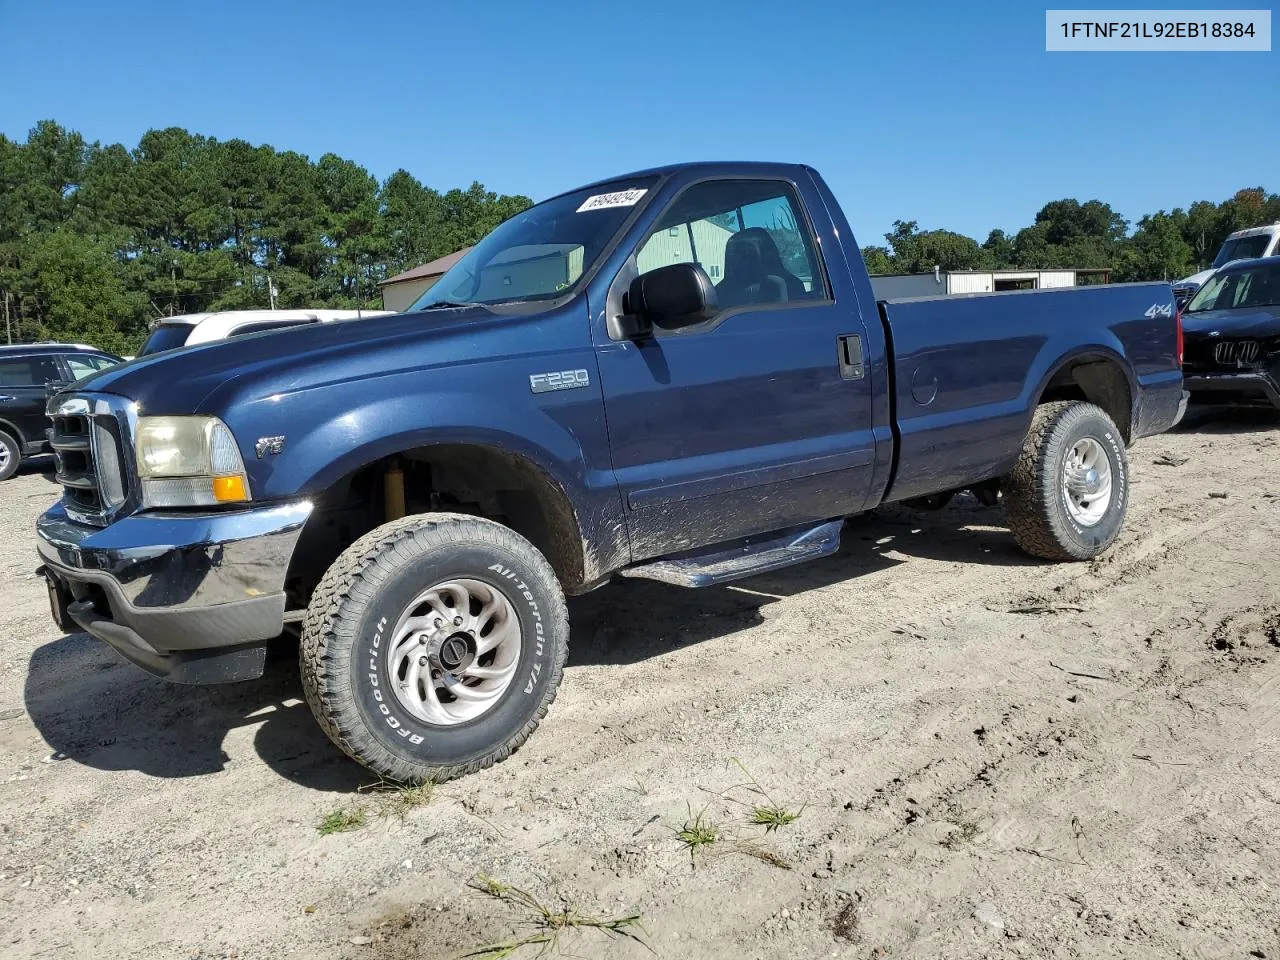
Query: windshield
x=167, y=336
x=1256, y=287
x=1242, y=248
x=542, y=253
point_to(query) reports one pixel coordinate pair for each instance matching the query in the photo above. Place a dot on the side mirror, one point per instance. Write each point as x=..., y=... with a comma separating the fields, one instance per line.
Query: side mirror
x=672, y=297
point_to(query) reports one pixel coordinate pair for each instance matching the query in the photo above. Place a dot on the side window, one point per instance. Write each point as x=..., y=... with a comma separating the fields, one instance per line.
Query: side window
x=1260, y=287
x=28, y=371
x=1244, y=281
x=81, y=366
x=750, y=236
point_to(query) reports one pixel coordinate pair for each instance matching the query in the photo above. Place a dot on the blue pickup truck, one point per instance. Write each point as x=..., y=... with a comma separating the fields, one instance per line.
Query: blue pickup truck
x=680, y=374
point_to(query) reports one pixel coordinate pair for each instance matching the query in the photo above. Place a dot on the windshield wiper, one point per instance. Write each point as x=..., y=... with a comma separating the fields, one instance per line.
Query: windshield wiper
x=450, y=305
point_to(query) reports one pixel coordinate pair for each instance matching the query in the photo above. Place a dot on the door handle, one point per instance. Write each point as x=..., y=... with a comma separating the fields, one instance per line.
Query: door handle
x=849, y=351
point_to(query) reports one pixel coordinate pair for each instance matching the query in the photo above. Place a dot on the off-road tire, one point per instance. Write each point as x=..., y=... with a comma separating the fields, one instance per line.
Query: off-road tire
x=344, y=672
x=14, y=449
x=1034, y=502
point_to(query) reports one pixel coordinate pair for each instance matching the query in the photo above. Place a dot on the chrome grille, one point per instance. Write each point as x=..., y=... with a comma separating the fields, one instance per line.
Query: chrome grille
x=89, y=437
x=1236, y=352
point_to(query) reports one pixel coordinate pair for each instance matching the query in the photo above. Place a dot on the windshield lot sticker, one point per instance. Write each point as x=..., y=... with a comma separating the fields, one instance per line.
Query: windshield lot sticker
x=603, y=201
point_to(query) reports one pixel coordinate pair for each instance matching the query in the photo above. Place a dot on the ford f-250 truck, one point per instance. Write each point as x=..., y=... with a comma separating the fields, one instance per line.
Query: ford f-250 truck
x=679, y=374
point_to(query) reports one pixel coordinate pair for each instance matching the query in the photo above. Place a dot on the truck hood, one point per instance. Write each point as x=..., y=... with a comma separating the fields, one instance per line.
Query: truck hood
x=1245, y=322
x=182, y=381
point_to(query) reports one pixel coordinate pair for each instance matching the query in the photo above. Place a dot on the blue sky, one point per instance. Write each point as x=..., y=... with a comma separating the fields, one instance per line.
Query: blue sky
x=950, y=114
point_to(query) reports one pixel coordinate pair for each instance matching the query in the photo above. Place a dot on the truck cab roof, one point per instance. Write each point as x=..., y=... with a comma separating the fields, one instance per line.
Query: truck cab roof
x=1266, y=228
x=1247, y=264
x=719, y=168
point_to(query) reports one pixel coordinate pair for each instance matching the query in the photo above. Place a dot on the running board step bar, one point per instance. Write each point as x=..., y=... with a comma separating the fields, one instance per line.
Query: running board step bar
x=745, y=559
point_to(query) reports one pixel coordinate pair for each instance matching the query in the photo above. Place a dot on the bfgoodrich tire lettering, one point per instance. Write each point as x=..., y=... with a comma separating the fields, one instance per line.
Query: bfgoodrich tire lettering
x=1034, y=498
x=359, y=602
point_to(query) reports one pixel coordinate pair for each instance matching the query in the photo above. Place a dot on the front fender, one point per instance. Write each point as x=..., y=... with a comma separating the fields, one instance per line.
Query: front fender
x=327, y=451
x=334, y=431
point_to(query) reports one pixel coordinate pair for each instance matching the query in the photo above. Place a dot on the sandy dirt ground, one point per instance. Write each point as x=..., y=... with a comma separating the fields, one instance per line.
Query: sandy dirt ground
x=991, y=757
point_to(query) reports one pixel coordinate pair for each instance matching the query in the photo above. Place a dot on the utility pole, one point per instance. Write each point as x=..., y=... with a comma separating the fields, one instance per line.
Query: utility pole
x=271, y=291
x=8, y=332
x=173, y=275
x=358, y=314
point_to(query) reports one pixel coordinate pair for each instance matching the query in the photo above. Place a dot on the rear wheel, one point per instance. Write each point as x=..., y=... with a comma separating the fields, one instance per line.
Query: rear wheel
x=1067, y=497
x=433, y=646
x=10, y=456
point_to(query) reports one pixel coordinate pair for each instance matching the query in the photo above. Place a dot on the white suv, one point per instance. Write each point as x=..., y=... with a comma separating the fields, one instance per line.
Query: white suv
x=189, y=329
x=1241, y=245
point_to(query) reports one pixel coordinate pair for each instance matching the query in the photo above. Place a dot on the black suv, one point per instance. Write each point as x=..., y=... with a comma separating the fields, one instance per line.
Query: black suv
x=27, y=373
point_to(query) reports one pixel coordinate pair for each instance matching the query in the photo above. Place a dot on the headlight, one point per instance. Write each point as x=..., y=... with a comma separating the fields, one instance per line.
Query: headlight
x=189, y=462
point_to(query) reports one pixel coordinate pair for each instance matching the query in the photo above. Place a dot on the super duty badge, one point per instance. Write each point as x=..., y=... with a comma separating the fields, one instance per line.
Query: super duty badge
x=563, y=380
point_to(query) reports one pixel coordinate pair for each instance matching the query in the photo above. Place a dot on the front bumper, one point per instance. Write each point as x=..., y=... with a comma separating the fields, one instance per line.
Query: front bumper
x=189, y=597
x=1256, y=386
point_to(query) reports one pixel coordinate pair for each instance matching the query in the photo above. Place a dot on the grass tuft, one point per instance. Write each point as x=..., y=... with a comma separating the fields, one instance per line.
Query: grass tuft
x=771, y=817
x=698, y=831
x=341, y=820
x=390, y=799
x=398, y=799
x=548, y=923
x=768, y=814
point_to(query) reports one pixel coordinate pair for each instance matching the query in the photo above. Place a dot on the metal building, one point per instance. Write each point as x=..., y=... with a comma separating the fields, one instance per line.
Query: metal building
x=944, y=282
x=403, y=289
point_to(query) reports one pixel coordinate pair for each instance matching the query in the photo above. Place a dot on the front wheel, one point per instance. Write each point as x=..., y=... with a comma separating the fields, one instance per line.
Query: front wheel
x=433, y=646
x=1067, y=497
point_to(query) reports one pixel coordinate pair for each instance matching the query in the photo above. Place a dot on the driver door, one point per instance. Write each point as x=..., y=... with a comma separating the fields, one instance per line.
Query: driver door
x=745, y=422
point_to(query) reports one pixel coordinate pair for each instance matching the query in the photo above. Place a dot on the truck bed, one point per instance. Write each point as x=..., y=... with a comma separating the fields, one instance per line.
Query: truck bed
x=967, y=370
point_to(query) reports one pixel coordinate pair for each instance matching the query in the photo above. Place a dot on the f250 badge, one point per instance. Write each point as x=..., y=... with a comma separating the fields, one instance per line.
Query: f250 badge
x=563, y=380
x=1159, y=310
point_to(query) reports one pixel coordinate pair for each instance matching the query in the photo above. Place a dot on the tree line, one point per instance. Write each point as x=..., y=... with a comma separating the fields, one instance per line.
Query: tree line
x=96, y=242
x=1166, y=245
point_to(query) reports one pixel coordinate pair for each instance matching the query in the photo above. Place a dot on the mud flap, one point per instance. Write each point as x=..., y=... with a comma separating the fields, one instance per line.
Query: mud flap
x=59, y=599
